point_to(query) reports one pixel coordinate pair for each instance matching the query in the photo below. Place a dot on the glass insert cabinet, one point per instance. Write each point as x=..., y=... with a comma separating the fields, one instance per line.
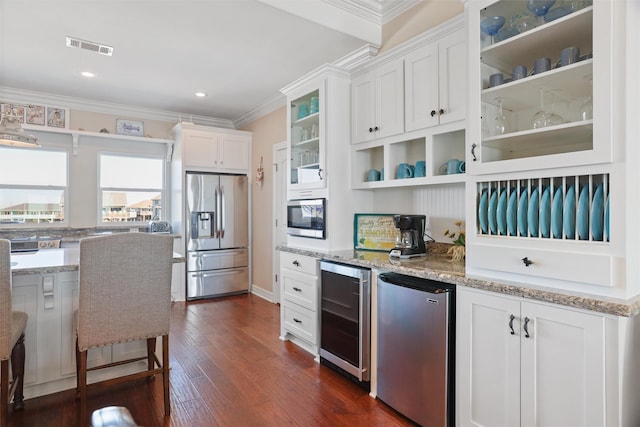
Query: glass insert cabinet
x=540, y=84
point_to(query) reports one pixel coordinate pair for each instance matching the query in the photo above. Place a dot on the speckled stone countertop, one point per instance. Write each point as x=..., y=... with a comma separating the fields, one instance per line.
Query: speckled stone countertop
x=53, y=261
x=438, y=266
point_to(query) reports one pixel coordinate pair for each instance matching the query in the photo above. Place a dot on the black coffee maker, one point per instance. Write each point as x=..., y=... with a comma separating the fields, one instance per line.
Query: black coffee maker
x=410, y=240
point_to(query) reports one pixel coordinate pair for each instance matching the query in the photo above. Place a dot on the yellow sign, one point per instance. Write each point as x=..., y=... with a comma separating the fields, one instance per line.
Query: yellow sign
x=374, y=232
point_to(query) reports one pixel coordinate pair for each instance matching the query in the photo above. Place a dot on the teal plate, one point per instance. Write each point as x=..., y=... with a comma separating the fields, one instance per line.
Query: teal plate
x=545, y=213
x=583, y=214
x=556, y=214
x=512, y=212
x=493, y=207
x=522, y=213
x=532, y=214
x=569, y=213
x=482, y=212
x=501, y=213
x=597, y=214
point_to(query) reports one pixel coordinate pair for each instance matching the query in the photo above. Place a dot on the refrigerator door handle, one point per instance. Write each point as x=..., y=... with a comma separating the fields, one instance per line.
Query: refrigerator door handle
x=217, y=194
x=222, y=211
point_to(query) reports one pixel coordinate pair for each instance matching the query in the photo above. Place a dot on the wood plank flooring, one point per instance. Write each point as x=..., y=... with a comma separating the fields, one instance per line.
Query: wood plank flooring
x=228, y=368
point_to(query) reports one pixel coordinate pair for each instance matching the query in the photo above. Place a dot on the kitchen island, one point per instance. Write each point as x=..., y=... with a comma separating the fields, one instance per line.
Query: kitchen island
x=45, y=286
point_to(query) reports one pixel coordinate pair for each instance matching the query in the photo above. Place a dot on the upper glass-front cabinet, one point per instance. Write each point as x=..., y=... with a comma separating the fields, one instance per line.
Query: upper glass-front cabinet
x=306, y=170
x=540, y=84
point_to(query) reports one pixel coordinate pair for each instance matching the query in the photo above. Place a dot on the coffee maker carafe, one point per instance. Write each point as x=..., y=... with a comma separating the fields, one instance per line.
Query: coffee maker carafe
x=410, y=240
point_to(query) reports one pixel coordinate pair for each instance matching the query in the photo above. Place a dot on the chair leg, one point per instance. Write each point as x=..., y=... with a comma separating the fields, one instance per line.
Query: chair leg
x=17, y=373
x=151, y=351
x=165, y=374
x=4, y=392
x=82, y=386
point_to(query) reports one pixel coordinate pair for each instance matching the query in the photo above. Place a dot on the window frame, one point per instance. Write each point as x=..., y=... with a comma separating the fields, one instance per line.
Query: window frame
x=99, y=189
x=24, y=187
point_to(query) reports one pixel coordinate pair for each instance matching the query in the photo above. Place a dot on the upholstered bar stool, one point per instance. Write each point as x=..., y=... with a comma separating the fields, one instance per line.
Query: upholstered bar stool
x=125, y=295
x=12, y=326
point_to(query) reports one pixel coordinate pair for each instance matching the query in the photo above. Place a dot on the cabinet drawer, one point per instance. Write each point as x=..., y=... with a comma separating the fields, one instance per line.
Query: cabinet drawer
x=301, y=263
x=301, y=322
x=595, y=269
x=300, y=288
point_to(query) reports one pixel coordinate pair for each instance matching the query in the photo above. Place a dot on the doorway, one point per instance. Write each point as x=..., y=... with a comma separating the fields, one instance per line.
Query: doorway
x=279, y=211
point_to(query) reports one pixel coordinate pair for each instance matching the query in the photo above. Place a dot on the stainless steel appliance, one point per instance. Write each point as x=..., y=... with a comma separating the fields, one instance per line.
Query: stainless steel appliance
x=410, y=241
x=345, y=320
x=307, y=218
x=416, y=339
x=216, y=224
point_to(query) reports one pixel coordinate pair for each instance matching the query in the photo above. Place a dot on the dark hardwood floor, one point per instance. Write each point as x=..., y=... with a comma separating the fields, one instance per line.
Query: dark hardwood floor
x=228, y=368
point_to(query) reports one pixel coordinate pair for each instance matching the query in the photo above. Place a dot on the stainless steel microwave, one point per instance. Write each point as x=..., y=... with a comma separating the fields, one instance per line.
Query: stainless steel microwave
x=307, y=218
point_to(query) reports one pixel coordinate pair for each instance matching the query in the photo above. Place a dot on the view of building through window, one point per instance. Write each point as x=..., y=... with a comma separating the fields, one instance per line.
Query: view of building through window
x=131, y=188
x=33, y=184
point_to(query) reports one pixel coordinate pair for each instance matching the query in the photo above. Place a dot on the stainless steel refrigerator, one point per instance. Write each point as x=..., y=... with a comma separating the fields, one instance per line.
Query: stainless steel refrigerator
x=217, y=234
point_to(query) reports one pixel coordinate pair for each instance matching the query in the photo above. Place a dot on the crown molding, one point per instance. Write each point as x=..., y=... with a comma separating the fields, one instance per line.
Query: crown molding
x=379, y=12
x=19, y=96
x=277, y=101
x=358, y=57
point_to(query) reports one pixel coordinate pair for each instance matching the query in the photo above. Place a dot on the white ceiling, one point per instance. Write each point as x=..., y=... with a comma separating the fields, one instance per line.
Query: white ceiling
x=239, y=52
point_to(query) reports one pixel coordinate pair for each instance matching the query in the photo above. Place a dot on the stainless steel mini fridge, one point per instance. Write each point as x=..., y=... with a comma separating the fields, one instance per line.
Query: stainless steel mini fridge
x=416, y=336
x=216, y=224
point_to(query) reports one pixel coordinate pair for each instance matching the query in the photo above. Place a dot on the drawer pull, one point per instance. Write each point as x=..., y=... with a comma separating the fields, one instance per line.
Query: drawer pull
x=296, y=263
x=526, y=327
x=297, y=289
x=297, y=320
x=527, y=262
x=511, y=318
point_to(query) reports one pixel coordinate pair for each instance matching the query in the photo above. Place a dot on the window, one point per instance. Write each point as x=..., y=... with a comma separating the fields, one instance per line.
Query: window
x=33, y=186
x=131, y=188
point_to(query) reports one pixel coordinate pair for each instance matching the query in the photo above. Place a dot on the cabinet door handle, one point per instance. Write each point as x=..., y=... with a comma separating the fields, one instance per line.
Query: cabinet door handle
x=376, y=128
x=296, y=263
x=370, y=130
x=473, y=151
x=527, y=262
x=441, y=112
x=320, y=173
x=433, y=113
x=526, y=327
x=297, y=320
x=511, y=318
x=297, y=289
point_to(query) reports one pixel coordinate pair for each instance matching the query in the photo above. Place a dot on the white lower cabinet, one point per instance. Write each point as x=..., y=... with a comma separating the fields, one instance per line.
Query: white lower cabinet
x=523, y=363
x=299, y=313
x=50, y=300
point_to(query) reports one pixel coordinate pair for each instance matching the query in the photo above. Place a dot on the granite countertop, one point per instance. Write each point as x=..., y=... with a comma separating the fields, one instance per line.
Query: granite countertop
x=438, y=266
x=53, y=261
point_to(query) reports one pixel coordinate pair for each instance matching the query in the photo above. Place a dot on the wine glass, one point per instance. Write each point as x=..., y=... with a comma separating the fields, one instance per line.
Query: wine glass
x=540, y=8
x=586, y=108
x=492, y=25
x=539, y=119
x=500, y=126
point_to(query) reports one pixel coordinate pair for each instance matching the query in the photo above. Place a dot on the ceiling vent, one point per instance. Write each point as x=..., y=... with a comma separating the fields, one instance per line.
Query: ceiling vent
x=94, y=47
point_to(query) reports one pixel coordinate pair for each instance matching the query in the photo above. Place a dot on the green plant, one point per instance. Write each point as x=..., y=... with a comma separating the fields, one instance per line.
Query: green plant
x=458, y=237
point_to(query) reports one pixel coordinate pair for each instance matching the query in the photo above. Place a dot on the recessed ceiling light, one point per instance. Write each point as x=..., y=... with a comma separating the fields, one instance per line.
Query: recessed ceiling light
x=201, y=94
x=87, y=74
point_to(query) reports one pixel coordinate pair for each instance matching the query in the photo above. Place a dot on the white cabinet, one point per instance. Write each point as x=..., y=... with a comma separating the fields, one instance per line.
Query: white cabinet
x=50, y=300
x=205, y=148
x=307, y=137
x=571, y=134
x=435, y=76
x=299, y=313
x=529, y=364
x=377, y=103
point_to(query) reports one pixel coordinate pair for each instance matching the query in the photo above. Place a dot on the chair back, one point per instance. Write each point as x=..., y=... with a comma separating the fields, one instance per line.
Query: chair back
x=125, y=288
x=5, y=300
